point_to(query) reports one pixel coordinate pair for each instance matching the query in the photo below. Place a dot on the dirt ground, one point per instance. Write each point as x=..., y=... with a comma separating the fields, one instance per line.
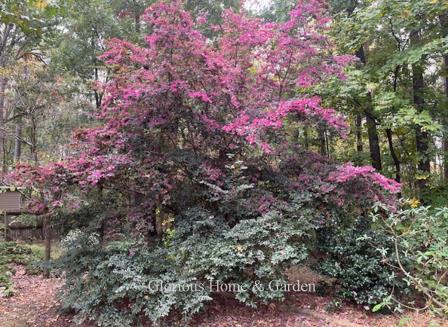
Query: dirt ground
x=35, y=304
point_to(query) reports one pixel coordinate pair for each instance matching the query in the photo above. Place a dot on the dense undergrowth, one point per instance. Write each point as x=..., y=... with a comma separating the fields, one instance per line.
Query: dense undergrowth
x=13, y=253
x=385, y=264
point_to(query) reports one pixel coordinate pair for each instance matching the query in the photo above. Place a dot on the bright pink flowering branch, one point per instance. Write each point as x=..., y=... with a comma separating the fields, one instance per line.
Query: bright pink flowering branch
x=348, y=172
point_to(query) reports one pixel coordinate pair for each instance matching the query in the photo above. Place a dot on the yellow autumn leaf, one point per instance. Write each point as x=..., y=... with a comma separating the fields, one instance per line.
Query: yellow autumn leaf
x=414, y=203
x=41, y=4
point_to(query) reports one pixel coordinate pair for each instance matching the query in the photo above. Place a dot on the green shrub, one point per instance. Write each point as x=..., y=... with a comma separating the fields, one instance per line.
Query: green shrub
x=27, y=220
x=112, y=284
x=420, y=238
x=252, y=250
x=436, y=197
x=356, y=255
x=11, y=252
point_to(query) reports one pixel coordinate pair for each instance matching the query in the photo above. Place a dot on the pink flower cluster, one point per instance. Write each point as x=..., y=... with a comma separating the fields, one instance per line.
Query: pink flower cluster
x=348, y=172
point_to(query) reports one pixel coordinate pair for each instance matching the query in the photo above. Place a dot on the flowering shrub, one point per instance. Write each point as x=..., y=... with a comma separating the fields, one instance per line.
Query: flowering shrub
x=348, y=172
x=181, y=96
x=191, y=126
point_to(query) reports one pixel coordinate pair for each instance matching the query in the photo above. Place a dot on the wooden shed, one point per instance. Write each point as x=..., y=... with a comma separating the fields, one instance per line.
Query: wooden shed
x=12, y=209
x=10, y=201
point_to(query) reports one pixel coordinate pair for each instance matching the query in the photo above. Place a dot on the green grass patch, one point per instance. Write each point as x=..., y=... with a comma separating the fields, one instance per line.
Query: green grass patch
x=38, y=250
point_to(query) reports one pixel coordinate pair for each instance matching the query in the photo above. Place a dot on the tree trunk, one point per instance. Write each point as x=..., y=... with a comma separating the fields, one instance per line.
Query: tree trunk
x=98, y=95
x=306, y=137
x=359, y=145
x=47, y=243
x=394, y=155
x=389, y=133
x=422, y=137
x=34, y=141
x=372, y=131
x=3, y=83
x=445, y=134
x=18, y=142
x=444, y=23
x=322, y=142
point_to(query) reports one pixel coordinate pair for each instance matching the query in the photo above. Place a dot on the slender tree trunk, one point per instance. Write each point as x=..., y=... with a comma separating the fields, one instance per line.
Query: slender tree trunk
x=3, y=83
x=34, y=140
x=306, y=137
x=97, y=95
x=422, y=137
x=18, y=142
x=322, y=142
x=359, y=145
x=4, y=155
x=372, y=131
x=4, y=38
x=397, y=162
x=47, y=243
x=389, y=134
x=444, y=23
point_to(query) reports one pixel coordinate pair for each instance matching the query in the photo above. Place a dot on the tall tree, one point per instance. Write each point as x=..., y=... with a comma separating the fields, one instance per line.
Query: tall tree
x=444, y=26
x=396, y=69
x=23, y=26
x=422, y=137
x=374, y=142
